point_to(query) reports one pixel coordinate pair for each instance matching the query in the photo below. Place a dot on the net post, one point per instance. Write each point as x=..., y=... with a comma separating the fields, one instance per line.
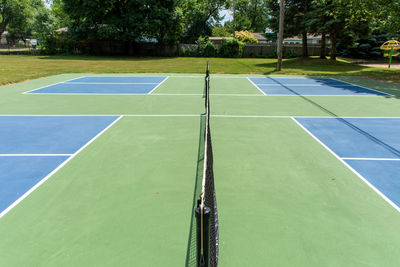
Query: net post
x=203, y=233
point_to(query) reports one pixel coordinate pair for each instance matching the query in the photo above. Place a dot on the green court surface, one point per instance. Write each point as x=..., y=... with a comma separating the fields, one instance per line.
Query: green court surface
x=127, y=198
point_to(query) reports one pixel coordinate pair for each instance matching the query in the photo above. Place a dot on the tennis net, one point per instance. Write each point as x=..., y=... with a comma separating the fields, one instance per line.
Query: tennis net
x=206, y=211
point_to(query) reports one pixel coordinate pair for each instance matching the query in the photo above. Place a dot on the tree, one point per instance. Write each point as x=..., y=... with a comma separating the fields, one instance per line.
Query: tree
x=12, y=11
x=61, y=18
x=199, y=17
x=343, y=20
x=296, y=21
x=125, y=20
x=249, y=15
x=387, y=14
x=43, y=23
x=34, y=21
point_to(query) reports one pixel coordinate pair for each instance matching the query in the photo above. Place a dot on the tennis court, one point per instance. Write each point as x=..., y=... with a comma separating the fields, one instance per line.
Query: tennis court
x=106, y=170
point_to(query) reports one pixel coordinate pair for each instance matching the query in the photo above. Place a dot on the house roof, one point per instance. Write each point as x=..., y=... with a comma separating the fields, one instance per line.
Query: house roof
x=219, y=38
x=259, y=36
x=63, y=29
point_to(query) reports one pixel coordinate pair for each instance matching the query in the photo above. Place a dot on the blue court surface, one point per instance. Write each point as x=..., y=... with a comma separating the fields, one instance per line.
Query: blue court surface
x=31, y=147
x=370, y=146
x=311, y=87
x=104, y=85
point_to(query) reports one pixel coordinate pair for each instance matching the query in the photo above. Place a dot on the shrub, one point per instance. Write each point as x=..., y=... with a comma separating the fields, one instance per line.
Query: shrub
x=273, y=54
x=231, y=48
x=58, y=45
x=205, y=48
x=292, y=54
x=245, y=37
x=220, y=31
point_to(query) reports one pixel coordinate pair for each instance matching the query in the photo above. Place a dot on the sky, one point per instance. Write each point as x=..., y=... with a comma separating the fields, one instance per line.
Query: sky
x=228, y=15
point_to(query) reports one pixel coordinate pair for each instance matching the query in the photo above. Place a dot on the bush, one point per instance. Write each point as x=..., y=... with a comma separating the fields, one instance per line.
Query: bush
x=231, y=48
x=205, y=48
x=245, y=37
x=292, y=54
x=273, y=54
x=367, y=48
x=58, y=45
x=220, y=31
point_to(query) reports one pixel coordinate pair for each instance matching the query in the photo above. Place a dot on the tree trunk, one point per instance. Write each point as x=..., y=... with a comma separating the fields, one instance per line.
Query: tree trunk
x=305, y=45
x=280, y=36
x=323, y=47
x=333, y=41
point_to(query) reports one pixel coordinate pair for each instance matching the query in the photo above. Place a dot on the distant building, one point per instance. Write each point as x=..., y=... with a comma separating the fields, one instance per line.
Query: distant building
x=311, y=39
x=218, y=40
x=260, y=37
x=3, y=38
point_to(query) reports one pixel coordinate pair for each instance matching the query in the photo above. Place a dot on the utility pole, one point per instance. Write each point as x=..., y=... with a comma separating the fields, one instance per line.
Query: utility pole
x=280, y=35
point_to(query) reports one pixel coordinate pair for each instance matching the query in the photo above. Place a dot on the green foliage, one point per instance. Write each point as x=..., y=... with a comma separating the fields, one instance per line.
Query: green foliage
x=13, y=13
x=123, y=20
x=33, y=21
x=61, y=17
x=292, y=54
x=245, y=37
x=54, y=44
x=231, y=48
x=199, y=17
x=205, y=48
x=221, y=31
x=249, y=15
x=367, y=48
x=273, y=54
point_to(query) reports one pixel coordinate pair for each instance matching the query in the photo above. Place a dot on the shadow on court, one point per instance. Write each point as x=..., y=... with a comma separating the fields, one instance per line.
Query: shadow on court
x=191, y=256
x=344, y=121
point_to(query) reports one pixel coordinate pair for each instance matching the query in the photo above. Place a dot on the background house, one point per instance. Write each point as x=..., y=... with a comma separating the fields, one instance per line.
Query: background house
x=3, y=39
x=311, y=39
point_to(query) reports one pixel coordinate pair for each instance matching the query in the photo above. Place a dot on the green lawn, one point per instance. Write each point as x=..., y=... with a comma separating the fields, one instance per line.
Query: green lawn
x=16, y=68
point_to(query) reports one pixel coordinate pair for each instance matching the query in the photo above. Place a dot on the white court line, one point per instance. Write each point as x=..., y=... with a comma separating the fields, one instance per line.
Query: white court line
x=362, y=87
x=210, y=94
x=4, y=212
x=248, y=78
x=193, y=115
x=103, y=83
x=383, y=159
x=308, y=85
x=348, y=166
x=31, y=91
x=34, y=155
x=166, y=78
x=213, y=76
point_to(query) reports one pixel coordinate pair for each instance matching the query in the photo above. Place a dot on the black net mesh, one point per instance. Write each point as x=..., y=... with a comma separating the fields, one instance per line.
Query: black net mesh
x=203, y=237
x=208, y=190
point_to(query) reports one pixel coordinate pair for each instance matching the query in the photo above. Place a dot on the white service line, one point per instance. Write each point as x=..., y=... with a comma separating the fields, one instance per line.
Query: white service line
x=4, y=212
x=348, y=166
